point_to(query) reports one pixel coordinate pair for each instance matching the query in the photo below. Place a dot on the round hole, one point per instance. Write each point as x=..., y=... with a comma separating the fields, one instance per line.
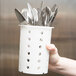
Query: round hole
x=38, y=60
x=40, y=46
x=29, y=38
x=28, y=60
x=39, y=54
x=28, y=45
x=41, y=39
x=29, y=31
x=28, y=53
x=42, y=33
x=38, y=68
x=27, y=67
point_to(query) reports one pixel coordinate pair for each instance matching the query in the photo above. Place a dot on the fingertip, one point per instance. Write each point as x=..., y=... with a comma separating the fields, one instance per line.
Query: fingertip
x=48, y=47
x=51, y=48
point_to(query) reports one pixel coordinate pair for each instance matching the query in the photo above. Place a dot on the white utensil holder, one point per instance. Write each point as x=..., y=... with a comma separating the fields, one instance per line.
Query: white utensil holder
x=33, y=55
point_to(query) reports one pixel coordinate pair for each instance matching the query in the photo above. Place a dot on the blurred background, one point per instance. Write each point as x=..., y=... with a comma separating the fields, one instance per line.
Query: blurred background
x=64, y=33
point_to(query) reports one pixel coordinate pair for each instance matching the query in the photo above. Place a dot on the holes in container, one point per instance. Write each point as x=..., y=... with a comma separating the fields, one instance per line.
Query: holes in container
x=27, y=67
x=38, y=61
x=28, y=53
x=40, y=46
x=38, y=68
x=29, y=31
x=39, y=54
x=41, y=39
x=29, y=38
x=42, y=33
x=28, y=60
x=28, y=45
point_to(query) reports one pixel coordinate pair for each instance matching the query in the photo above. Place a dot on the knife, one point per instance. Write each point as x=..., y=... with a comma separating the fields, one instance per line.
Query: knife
x=19, y=16
x=56, y=11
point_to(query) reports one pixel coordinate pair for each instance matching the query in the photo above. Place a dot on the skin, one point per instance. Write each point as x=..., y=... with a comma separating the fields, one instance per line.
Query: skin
x=61, y=65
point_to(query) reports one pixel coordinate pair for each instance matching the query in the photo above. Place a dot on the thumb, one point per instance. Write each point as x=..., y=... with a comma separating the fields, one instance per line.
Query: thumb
x=54, y=56
x=52, y=49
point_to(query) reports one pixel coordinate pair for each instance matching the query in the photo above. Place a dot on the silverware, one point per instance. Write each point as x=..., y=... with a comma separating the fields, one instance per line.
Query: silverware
x=50, y=19
x=53, y=8
x=41, y=5
x=30, y=14
x=19, y=16
x=35, y=16
x=41, y=17
x=46, y=12
x=24, y=23
x=45, y=21
x=56, y=11
x=39, y=14
x=52, y=12
x=24, y=13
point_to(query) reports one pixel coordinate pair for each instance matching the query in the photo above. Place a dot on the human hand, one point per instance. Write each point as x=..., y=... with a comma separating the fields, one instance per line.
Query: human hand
x=54, y=56
x=59, y=64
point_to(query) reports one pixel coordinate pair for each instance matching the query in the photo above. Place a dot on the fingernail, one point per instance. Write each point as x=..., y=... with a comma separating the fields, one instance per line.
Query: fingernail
x=48, y=47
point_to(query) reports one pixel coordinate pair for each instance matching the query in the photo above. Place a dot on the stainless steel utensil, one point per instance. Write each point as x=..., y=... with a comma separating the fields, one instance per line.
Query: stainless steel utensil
x=53, y=8
x=52, y=12
x=24, y=13
x=48, y=12
x=50, y=19
x=56, y=11
x=41, y=16
x=19, y=16
x=30, y=11
x=35, y=15
x=41, y=6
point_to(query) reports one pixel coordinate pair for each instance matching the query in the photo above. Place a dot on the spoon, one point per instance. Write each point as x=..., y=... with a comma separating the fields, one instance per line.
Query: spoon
x=24, y=13
x=40, y=23
x=35, y=15
x=29, y=13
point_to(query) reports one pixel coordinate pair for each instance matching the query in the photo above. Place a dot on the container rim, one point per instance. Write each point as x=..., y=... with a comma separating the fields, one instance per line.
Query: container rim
x=31, y=26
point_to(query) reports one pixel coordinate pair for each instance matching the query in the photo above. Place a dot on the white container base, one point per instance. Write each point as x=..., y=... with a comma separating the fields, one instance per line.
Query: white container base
x=33, y=55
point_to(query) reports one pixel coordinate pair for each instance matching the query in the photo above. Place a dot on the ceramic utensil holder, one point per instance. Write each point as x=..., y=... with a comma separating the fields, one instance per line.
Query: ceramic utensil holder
x=33, y=55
